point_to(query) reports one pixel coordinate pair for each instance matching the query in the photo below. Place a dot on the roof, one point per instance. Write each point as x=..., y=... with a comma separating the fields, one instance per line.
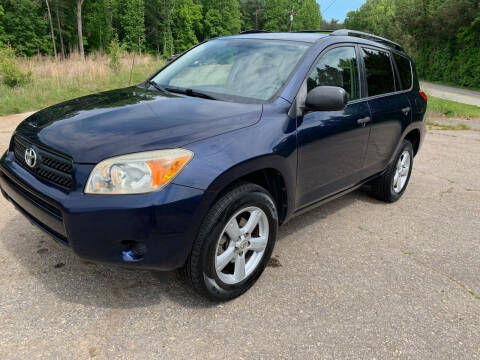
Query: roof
x=312, y=36
x=289, y=36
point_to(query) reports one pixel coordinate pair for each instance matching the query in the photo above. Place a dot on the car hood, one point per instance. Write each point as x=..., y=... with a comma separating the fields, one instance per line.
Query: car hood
x=99, y=126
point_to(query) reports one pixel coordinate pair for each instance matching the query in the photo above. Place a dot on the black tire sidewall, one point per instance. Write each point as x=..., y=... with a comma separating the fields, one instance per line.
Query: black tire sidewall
x=407, y=145
x=213, y=285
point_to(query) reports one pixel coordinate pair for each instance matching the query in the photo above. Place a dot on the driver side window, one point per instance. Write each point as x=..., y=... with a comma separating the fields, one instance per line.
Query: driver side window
x=338, y=67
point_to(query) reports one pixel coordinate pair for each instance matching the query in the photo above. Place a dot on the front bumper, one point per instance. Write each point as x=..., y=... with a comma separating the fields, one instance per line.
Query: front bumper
x=103, y=227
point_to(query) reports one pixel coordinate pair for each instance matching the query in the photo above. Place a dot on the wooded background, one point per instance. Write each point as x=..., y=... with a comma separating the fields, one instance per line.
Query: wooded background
x=442, y=35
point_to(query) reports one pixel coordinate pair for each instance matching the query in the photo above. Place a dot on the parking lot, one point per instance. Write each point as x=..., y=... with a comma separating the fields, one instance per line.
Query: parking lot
x=355, y=278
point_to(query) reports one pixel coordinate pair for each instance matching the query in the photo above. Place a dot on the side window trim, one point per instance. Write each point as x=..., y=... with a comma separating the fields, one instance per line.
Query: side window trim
x=395, y=81
x=359, y=68
x=398, y=71
x=364, y=70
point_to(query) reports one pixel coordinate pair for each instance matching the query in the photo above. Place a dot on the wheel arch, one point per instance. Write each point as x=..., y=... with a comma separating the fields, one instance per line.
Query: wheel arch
x=415, y=133
x=269, y=172
x=414, y=137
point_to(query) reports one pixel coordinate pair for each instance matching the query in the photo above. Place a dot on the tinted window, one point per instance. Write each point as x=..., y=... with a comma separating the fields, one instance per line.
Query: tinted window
x=338, y=67
x=379, y=72
x=404, y=70
x=230, y=68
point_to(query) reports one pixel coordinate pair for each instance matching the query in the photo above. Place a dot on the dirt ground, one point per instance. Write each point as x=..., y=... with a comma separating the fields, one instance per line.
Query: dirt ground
x=353, y=279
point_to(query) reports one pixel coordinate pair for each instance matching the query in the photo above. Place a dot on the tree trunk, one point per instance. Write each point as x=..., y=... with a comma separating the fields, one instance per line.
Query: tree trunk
x=51, y=29
x=79, y=26
x=59, y=26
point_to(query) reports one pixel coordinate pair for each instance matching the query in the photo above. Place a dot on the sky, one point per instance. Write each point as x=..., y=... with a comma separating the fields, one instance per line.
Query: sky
x=338, y=9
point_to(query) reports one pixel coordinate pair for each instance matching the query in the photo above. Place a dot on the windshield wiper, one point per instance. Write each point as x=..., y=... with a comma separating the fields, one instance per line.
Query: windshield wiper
x=190, y=92
x=156, y=86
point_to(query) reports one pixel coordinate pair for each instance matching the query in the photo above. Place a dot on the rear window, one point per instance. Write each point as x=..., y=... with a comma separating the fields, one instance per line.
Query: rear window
x=379, y=70
x=404, y=70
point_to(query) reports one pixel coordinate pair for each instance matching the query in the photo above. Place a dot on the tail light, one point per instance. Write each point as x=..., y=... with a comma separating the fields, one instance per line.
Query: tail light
x=423, y=95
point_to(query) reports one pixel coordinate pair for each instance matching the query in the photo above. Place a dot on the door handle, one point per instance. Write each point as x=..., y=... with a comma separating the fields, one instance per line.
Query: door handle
x=406, y=110
x=364, y=120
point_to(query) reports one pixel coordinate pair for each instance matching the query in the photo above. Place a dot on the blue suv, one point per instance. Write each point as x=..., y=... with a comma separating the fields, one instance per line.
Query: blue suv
x=196, y=168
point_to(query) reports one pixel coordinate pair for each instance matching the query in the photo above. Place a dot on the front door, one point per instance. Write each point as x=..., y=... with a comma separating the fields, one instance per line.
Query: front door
x=332, y=144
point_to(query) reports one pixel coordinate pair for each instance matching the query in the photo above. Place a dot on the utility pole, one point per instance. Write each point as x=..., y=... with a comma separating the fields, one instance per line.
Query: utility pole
x=291, y=13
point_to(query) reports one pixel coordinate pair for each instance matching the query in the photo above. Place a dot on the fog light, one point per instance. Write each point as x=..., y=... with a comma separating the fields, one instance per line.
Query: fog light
x=135, y=251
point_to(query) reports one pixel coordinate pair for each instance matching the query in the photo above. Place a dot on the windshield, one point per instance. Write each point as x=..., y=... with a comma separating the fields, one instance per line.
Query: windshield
x=234, y=68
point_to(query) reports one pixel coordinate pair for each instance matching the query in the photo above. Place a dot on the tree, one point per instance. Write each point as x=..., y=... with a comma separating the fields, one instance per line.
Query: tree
x=2, y=13
x=277, y=16
x=52, y=33
x=132, y=23
x=59, y=28
x=308, y=16
x=187, y=22
x=27, y=35
x=252, y=13
x=79, y=27
x=98, y=24
x=154, y=19
x=442, y=35
x=222, y=17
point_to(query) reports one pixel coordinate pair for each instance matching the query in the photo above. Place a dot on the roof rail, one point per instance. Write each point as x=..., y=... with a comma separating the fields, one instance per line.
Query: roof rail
x=364, y=35
x=315, y=31
x=253, y=31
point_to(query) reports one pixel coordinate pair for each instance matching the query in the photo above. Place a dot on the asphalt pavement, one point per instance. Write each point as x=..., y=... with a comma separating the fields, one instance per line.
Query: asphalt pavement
x=353, y=279
x=452, y=93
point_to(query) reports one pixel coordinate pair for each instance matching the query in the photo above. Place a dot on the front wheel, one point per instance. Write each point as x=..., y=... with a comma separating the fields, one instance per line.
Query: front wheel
x=234, y=244
x=392, y=184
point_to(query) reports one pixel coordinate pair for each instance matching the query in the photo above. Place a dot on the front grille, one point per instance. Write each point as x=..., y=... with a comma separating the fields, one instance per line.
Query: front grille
x=50, y=166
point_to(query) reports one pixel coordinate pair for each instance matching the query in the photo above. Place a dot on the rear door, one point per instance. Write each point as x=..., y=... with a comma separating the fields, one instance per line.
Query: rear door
x=409, y=83
x=389, y=105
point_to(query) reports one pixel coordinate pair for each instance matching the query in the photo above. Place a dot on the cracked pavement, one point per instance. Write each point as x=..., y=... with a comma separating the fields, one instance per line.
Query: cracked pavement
x=353, y=279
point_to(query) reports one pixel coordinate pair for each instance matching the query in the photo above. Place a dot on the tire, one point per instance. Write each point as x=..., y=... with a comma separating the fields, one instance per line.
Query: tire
x=215, y=244
x=384, y=187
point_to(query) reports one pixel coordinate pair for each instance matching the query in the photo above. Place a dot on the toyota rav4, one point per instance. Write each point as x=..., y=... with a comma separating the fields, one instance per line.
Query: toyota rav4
x=196, y=168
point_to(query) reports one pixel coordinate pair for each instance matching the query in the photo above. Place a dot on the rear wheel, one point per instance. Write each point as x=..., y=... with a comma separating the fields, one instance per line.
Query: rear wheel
x=234, y=244
x=392, y=184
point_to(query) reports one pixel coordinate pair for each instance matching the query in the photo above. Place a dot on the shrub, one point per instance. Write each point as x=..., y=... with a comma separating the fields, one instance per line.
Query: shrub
x=115, y=51
x=10, y=74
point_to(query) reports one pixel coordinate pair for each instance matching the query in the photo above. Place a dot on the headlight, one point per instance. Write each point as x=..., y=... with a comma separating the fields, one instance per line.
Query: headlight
x=137, y=173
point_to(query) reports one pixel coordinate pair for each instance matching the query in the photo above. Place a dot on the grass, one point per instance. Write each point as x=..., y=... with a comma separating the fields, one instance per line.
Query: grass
x=452, y=109
x=56, y=81
x=448, y=126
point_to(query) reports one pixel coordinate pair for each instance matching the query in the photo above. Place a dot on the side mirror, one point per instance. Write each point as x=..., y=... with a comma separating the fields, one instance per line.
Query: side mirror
x=173, y=57
x=326, y=98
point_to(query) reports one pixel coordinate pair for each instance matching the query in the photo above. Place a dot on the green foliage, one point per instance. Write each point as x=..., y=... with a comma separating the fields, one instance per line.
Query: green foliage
x=2, y=32
x=132, y=22
x=115, y=51
x=308, y=16
x=252, y=13
x=276, y=15
x=222, y=17
x=98, y=23
x=25, y=27
x=442, y=35
x=187, y=23
x=10, y=73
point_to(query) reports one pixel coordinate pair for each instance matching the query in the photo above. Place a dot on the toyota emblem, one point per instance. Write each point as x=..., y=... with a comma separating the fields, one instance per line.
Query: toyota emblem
x=30, y=157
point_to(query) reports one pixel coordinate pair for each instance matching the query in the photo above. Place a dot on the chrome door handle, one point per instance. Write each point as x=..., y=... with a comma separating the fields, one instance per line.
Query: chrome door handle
x=364, y=120
x=406, y=110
